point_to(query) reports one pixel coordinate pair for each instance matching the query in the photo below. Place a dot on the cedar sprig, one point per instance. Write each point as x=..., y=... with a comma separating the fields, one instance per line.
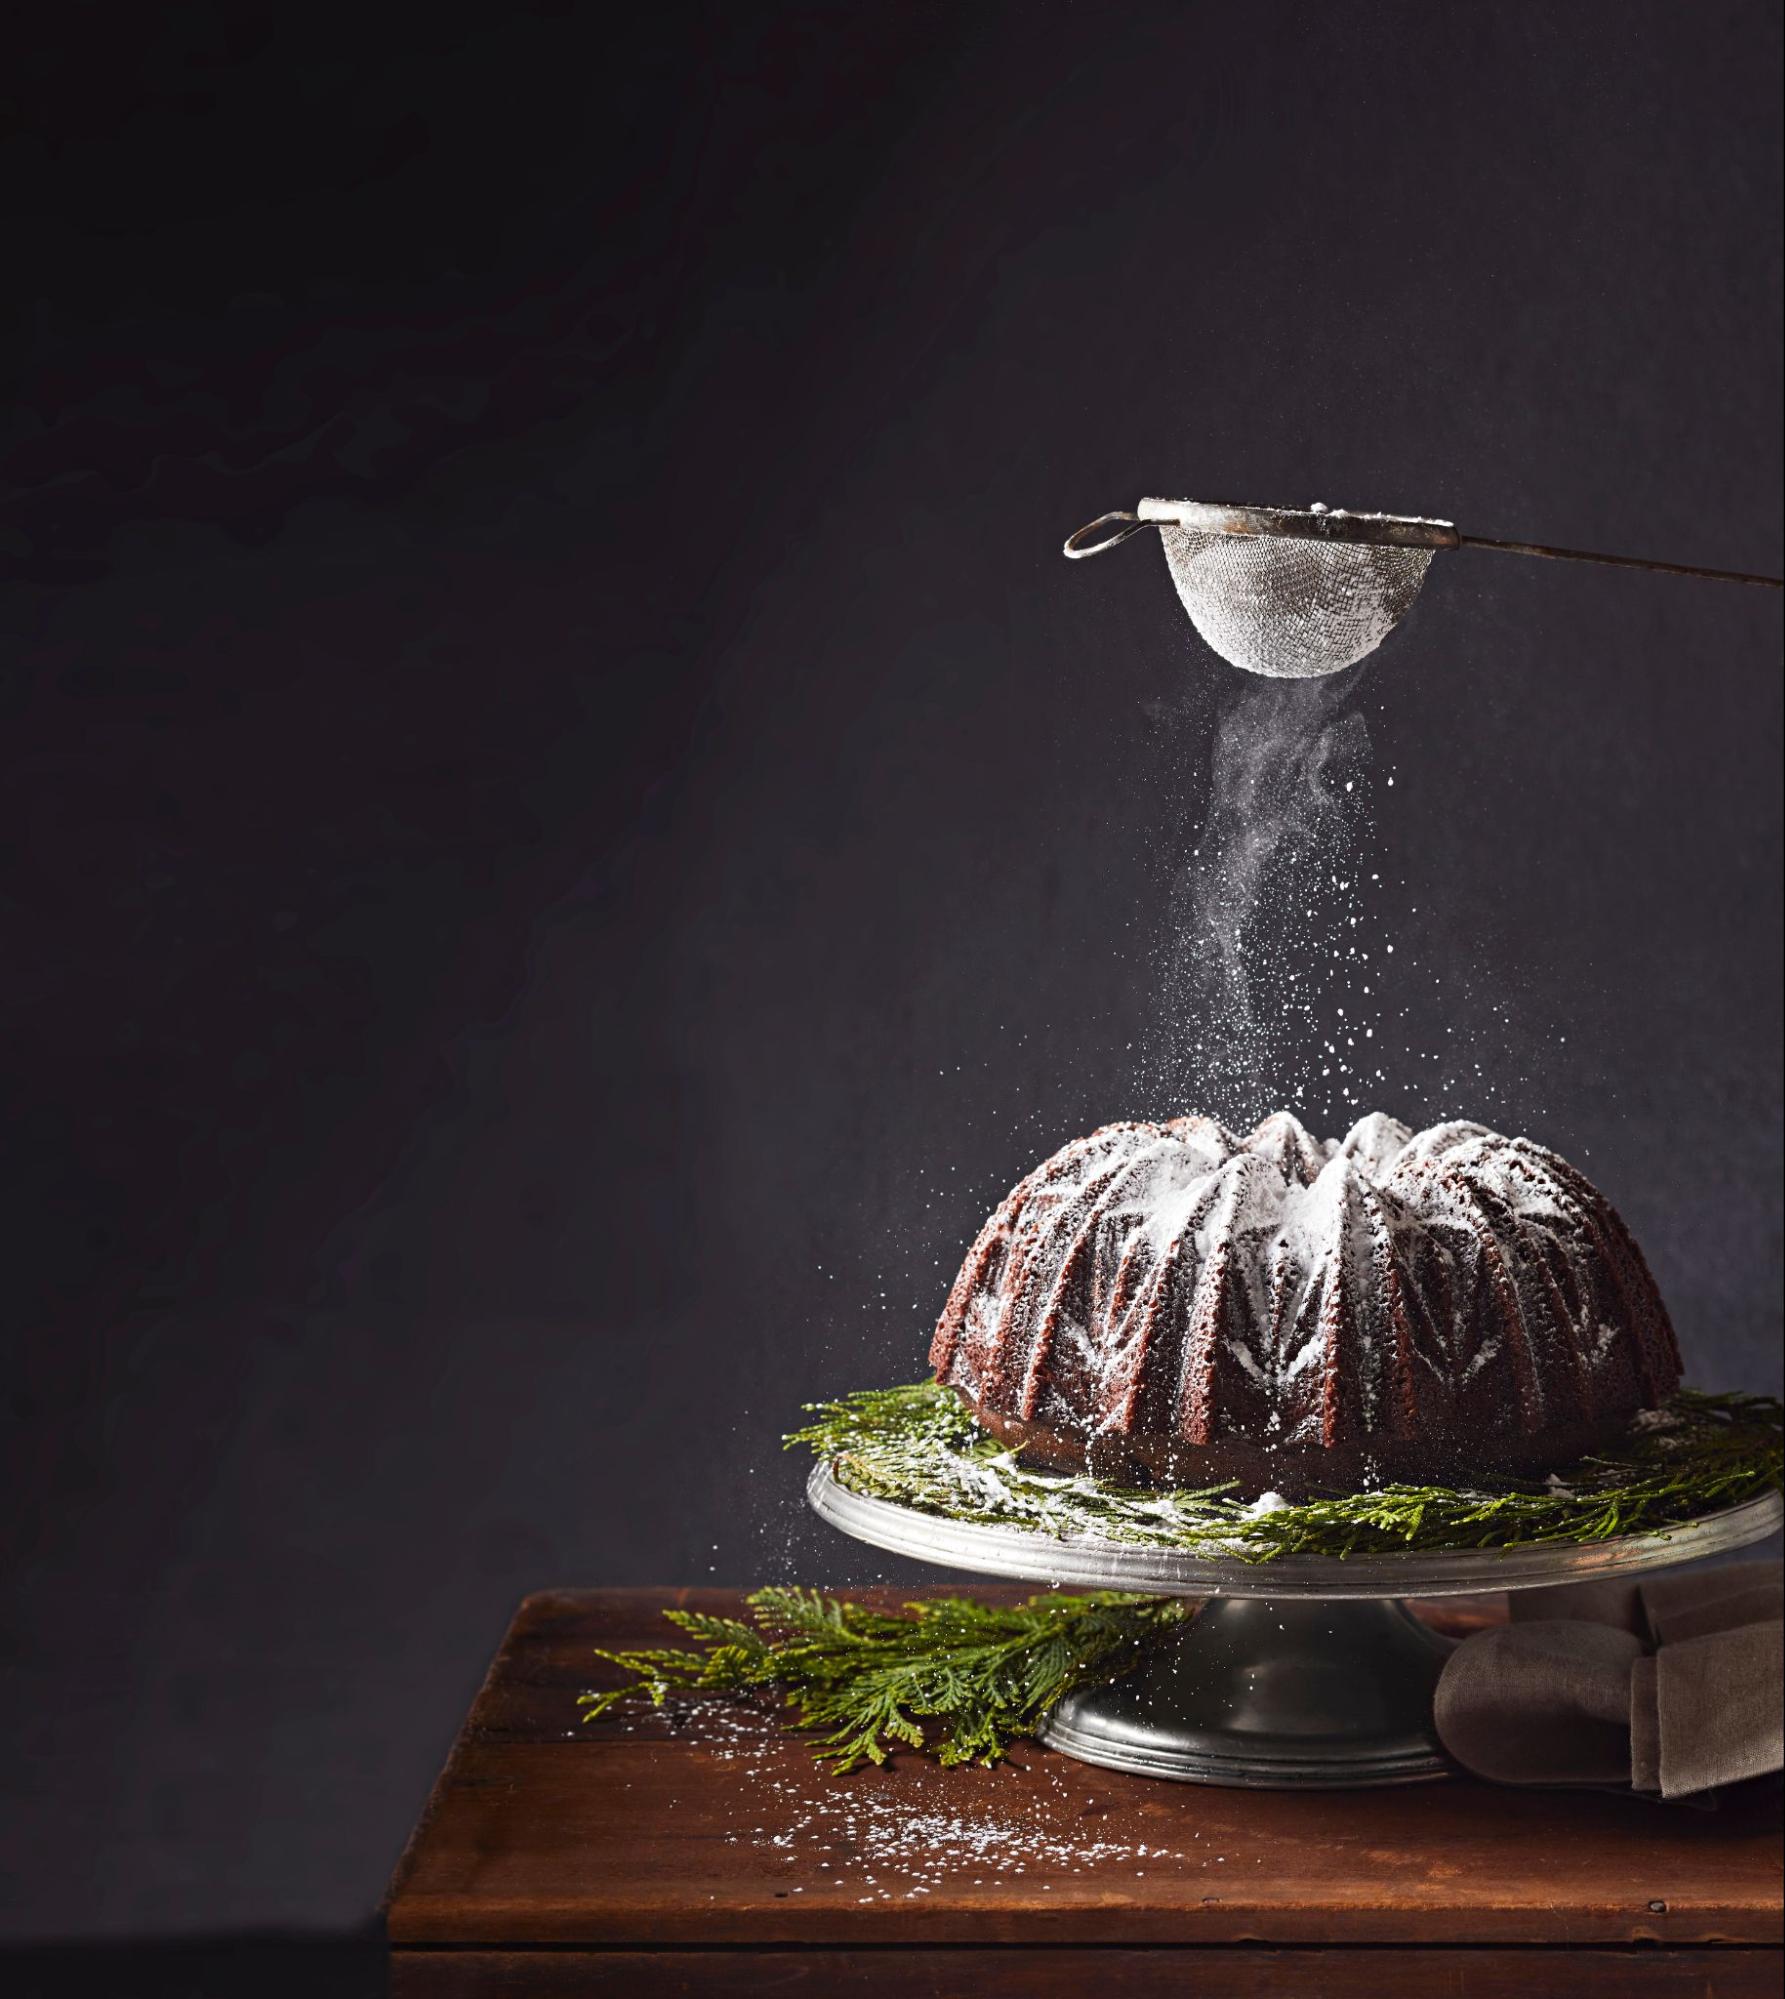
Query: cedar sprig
x=952, y=1676
x=919, y=1446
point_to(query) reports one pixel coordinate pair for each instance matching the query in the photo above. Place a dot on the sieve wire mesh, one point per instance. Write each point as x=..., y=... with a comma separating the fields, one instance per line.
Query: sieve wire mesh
x=1288, y=608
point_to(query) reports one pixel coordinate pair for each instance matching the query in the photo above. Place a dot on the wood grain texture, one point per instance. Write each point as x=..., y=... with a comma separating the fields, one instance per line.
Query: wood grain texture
x=718, y=1830
x=1219, y=1972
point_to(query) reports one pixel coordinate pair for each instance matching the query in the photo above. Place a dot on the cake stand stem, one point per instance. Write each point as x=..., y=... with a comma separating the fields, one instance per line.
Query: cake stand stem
x=1283, y=1695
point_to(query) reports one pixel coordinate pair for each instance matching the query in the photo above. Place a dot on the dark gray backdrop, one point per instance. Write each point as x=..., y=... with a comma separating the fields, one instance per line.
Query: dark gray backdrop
x=573, y=830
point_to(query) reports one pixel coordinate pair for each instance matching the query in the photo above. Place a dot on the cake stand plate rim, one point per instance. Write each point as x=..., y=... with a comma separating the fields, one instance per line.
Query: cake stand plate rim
x=996, y=1549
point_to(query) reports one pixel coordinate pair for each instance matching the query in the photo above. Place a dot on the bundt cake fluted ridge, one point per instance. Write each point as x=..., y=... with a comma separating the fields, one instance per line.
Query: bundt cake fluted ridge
x=1170, y=1302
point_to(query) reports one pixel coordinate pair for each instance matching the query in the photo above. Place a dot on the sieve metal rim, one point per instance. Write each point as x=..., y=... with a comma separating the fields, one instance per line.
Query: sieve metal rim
x=1225, y=517
x=1314, y=523
x=1337, y=524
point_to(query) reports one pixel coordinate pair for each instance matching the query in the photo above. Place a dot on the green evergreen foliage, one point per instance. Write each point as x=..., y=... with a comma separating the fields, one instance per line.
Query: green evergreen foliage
x=920, y=1447
x=949, y=1675
x=960, y=1679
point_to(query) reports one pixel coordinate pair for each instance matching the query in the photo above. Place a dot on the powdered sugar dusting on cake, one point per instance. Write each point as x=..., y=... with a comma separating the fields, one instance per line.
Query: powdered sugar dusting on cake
x=1175, y=1280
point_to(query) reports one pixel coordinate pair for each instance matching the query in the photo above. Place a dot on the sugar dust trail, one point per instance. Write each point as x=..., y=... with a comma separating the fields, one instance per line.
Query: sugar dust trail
x=1261, y=946
x=1292, y=967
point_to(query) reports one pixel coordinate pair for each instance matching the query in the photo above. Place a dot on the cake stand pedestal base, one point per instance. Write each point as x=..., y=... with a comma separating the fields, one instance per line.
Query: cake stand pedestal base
x=1271, y=1695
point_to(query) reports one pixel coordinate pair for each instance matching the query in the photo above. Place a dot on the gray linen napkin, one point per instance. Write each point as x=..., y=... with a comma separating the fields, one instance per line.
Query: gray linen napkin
x=1670, y=1687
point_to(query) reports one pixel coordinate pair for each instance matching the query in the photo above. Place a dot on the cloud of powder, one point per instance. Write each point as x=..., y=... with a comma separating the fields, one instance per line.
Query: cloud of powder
x=1263, y=912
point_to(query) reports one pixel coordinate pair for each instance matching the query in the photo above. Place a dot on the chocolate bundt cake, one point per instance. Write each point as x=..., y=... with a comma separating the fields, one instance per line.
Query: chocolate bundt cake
x=1167, y=1303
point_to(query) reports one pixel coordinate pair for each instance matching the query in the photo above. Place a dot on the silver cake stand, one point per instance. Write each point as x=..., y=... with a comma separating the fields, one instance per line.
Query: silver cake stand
x=1307, y=1672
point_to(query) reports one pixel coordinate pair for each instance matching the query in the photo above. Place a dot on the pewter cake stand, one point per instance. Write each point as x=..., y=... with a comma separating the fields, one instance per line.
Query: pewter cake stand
x=1307, y=1672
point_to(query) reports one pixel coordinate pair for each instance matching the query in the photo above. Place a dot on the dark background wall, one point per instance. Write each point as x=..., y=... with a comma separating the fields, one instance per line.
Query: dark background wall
x=571, y=830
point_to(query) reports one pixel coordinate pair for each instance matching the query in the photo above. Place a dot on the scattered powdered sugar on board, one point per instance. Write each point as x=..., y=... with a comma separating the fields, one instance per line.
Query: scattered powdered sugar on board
x=866, y=1838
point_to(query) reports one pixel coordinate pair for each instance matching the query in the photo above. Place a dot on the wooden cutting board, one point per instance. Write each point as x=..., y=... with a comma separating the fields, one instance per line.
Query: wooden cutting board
x=705, y=1851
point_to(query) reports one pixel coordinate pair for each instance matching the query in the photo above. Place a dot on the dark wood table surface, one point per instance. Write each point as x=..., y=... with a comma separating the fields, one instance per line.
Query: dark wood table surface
x=702, y=1850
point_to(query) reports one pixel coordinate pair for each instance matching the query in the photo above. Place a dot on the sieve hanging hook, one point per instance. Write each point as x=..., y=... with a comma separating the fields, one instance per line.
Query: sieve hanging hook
x=1295, y=592
x=1077, y=546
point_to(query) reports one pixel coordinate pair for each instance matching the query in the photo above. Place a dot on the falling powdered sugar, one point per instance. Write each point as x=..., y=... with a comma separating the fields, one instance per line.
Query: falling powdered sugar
x=1266, y=907
x=1288, y=972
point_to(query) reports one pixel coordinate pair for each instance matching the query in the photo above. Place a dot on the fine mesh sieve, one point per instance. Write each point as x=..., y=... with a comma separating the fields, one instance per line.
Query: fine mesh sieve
x=1292, y=609
x=1297, y=592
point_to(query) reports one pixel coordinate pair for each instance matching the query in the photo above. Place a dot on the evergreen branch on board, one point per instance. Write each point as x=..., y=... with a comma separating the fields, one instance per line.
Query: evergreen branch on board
x=952, y=1676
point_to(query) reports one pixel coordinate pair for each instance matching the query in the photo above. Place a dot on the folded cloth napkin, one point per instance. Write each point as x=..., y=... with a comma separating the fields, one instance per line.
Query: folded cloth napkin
x=1670, y=1687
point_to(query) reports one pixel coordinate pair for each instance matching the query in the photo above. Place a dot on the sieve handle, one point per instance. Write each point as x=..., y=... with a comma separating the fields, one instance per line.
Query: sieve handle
x=1077, y=547
x=1391, y=530
x=1619, y=561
